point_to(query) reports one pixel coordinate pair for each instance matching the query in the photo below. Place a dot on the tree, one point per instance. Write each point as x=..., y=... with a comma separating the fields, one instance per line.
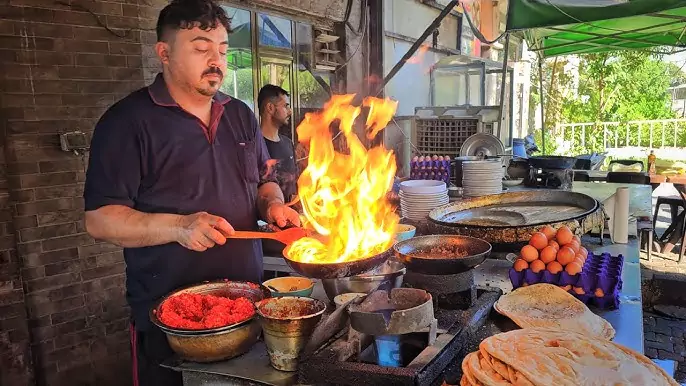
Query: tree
x=622, y=86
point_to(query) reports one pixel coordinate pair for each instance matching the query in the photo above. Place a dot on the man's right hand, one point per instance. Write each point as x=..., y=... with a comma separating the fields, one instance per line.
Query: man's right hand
x=200, y=231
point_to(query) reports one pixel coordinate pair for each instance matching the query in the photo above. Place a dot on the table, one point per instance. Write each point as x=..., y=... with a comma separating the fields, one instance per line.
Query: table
x=627, y=320
x=640, y=203
x=253, y=368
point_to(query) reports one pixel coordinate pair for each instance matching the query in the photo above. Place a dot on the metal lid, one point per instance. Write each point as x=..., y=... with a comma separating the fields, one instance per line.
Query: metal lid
x=482, y=145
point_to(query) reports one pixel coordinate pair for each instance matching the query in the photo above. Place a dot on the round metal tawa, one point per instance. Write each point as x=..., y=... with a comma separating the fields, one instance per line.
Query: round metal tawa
x=482, y=145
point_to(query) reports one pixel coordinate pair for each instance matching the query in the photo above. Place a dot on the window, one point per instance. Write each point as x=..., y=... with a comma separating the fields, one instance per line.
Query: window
x=312, y=94
x=274, y=31
x=238, y=81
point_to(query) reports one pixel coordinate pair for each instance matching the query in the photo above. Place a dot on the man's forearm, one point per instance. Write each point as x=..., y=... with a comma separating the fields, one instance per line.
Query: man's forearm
x=268, y=194
x=129, y=228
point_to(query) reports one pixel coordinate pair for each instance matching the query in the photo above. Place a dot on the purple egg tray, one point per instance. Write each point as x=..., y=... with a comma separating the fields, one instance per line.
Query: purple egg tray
x=598, y=284
x=430, y=170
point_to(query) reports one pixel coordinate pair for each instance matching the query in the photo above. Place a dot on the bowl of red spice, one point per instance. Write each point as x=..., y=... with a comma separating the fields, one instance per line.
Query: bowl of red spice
x=211, y=321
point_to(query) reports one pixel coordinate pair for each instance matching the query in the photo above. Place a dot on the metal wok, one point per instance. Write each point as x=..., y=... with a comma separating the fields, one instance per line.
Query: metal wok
x=417, y=256
x=338, y=270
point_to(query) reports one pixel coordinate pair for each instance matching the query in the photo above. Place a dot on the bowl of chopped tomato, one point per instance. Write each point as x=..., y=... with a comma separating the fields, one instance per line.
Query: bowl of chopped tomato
x=211, y=321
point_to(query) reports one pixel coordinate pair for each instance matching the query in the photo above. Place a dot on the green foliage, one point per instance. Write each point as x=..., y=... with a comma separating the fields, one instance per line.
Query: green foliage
x=612, y=87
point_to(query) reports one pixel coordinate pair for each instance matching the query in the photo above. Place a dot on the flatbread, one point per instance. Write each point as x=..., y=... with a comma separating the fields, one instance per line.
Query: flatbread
x=547, y=305
x=545, y=356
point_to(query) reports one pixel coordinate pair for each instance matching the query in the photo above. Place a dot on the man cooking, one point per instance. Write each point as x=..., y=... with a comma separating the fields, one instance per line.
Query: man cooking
x=275, y=112
x=174, y=168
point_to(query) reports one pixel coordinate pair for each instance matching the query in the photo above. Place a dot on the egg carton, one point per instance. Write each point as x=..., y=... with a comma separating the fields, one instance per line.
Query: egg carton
x=438, y=170
x=598, y=283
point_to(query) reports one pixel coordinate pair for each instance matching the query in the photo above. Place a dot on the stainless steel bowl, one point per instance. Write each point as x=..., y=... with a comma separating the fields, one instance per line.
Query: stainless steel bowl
x=221, y=343
x=391, y=271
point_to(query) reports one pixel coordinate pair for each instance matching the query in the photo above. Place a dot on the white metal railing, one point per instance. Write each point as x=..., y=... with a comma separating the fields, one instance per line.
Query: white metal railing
x=649, y=133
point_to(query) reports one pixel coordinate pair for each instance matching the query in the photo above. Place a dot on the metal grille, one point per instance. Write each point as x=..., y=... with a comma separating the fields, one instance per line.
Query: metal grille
x=444, y=136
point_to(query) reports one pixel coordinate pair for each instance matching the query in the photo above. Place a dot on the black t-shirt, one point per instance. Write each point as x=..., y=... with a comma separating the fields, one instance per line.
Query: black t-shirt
x=286, y=170
x=151, y=155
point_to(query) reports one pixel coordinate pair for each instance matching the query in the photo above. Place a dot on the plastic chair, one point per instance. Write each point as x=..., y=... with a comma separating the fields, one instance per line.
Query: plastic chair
x=674, y=202
x=624, y=162
x=628, y=178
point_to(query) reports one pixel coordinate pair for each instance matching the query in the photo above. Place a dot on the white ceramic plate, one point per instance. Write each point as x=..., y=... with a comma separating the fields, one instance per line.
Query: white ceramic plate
x=423, y=186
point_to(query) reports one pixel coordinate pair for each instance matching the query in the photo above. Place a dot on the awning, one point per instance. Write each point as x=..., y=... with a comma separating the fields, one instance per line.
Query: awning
x=561, y=27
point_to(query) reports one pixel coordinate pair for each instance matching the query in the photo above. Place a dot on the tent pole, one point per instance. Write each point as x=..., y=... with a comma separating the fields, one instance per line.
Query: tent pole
x=540, y=92
x=503, y=83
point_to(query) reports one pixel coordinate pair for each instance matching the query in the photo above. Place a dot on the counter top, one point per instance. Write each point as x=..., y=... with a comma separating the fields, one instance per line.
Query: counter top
x=253, y=368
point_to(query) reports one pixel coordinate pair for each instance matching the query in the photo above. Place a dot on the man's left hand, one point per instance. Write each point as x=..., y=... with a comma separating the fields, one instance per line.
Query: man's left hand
x=280, y=214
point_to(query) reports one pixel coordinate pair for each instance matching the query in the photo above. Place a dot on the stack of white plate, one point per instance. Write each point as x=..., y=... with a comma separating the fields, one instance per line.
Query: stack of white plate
x=419, y=197
x=481, y=178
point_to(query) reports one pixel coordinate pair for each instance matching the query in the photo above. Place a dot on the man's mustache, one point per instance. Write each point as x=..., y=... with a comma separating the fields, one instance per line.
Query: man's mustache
x=213, y=70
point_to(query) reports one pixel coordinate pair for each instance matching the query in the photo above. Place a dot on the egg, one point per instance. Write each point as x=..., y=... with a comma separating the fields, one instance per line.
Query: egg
x=599, y=292
x=567, y=288
x=554, y=267
x=538, y=241
x=583, y=252
x=520, y=265
x=579, y=291
x=447, y=158
x=529, y=253
x=554, y=244
x=548, y=254
x=575, y=246
x=537, y=266
x=564, y=235
x=548, y=231
x=565, y=256
x=573, y=268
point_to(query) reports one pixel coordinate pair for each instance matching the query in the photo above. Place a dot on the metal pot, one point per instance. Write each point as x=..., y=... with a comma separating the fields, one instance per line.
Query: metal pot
x=392, y=272
x=288, y=323
x=215, y=344
x=457, y=167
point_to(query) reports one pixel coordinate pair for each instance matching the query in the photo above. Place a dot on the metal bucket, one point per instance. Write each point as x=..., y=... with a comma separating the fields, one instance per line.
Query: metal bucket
x=288, y=323
x=457, y=168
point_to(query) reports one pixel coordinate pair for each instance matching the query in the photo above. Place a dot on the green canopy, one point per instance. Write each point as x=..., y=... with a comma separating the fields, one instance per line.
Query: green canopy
x=561, y=27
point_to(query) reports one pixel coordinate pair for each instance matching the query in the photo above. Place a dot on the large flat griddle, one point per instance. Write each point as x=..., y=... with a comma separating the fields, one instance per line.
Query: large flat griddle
x=511, y=218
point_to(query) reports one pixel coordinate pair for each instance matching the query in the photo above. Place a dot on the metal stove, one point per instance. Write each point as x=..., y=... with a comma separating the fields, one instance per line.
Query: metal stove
x=412, y=350
x=451, y=292
x=549, y=178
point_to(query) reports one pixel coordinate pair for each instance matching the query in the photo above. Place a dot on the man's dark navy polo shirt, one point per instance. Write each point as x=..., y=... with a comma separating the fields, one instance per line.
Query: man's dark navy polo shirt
x=149, y=154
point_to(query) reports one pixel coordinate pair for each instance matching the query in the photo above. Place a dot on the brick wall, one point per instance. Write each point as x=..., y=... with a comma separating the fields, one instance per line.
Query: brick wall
x=63, y=317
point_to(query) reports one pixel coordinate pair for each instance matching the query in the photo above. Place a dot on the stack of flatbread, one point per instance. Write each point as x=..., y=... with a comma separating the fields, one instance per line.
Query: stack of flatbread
x=547, y=305
x=545, y=357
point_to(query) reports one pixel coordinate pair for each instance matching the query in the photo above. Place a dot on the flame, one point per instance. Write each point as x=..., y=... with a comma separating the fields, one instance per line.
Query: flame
x=344, y=195
x=418, y=58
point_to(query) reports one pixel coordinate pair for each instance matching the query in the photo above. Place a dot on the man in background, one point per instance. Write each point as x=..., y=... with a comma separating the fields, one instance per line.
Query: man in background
x=275, y=112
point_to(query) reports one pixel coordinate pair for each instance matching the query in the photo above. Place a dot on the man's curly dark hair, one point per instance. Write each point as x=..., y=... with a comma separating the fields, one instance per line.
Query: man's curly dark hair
x=187, y=14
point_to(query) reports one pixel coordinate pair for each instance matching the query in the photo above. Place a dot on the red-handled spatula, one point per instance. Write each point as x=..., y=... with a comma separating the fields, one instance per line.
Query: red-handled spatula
x=286, y=236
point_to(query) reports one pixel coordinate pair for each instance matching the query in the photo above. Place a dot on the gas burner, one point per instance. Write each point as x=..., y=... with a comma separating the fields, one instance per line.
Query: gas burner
x=450, y=292
x=412, y=358
x=402, y=325
x=549, y=178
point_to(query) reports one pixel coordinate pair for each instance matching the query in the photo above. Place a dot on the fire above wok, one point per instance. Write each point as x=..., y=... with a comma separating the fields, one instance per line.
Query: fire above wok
x=343, y=192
